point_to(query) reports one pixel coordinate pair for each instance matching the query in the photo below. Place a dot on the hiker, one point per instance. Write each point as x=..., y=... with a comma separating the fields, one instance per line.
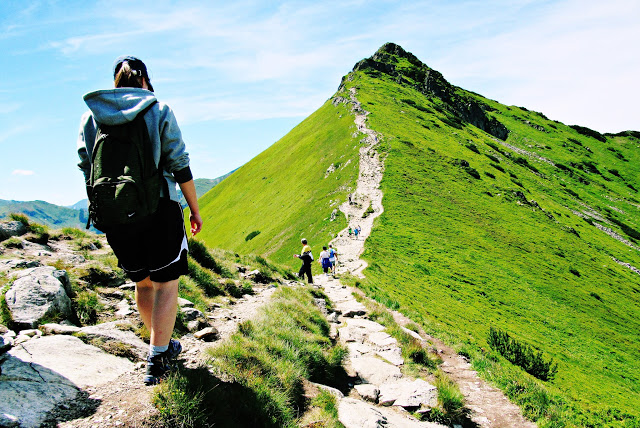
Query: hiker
x=356, y=231
x=350, y=232
x=307, y=257
x=151, y=250
x=324, y=261
x=333, y=259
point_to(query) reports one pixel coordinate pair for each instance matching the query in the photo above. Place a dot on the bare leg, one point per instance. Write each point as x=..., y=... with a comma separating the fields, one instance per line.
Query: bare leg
x=145, y=295
x=165, y=307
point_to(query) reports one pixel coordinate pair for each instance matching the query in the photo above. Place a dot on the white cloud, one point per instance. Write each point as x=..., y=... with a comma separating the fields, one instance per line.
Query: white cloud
x=22, y=172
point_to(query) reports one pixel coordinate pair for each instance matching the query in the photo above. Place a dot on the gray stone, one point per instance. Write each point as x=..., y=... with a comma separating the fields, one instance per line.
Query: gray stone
x=208, y=334
x=368, y=392
x=333, y=391
x=9, y=264
x=393, y=355
x=5, y=344
x=124, y=309
x=191, y=314
x=197, y=324
x=367, y=325
x=184, y=303
x=375, y=371
x=128, y=286
x=11, y=228
x=118, y=331
x=52, y=328
x=37, y=294
x=408, y=393
x=333, y=318
x=412, y=334
x=42, y=373
x=354, y=413
x=382, y=341
x=351, y=308
x=357, y=349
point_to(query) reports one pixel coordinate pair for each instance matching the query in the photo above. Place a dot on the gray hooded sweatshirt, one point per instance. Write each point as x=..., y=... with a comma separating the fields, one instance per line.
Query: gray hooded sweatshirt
x=121, y=105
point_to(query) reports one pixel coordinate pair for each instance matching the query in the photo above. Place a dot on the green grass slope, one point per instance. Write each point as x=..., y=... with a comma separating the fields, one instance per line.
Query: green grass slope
x=508, y=230
x=45, y=213
x=203, y=185
x=287, y=192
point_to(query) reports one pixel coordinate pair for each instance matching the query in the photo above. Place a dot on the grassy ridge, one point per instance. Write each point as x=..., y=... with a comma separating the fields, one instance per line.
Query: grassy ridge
x=285, y=192
x=461, y=247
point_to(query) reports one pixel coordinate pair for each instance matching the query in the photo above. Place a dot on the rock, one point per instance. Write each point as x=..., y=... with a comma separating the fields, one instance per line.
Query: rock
x=367, y=325
x=333, y=391
x=11, y=228
x=124, y=309
x=368, y=392
x=381, y=341
x=71, y=258
x=351, y=308
x=357, y=349
x=197, y=324
x=407, y=393
x=333, y=332
x=393, y=355
x=9, y=421
x=184, y=303
x=375, y=371
x=208, y=334
x=333, y=318
x=36, y=294
x=354, y=413
x=412, y=334
x=191, y=314
x=241, y=269
x=42, y=373
x=52, y=328
x=9, y=264
x=5, y=345
x=128, y=286
x=321, y=304
x=118, y=331
x=3, y=329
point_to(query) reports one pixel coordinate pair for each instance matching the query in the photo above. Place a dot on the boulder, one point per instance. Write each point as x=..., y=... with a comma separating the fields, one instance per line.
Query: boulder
x=9, y=264
x=368, y=392
x=208, y=334
x=191, y=314
x=118, y=331
x=124, y=309
x=393, y=355
x=52, y=328
x=36, y=294
x=375, y=371
x=408, y=393
x=184, y=303
x=351, y=308
x=353, y=413
x=5, y=345
x=333, y=391
x=41, y=373
x=11, y=228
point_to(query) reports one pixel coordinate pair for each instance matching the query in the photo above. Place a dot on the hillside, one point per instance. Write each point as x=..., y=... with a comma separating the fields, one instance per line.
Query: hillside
x=494, y=216
x=203, y=185
x=43, y=212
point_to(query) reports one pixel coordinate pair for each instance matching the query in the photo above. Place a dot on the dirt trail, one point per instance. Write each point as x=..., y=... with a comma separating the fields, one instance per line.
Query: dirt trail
x=488, y=405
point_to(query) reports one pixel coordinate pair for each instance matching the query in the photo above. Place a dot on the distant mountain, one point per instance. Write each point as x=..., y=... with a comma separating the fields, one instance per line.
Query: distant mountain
x=203, y=185
x=43, y=212
x=494, y=216
x=80, y=205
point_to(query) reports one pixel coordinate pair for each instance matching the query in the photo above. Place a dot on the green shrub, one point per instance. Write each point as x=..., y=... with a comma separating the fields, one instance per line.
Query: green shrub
x=252, y=235
x=522, y=355
x=204, y=278
x=368, y=211
x=13, y=242
x=87, y=306
x=201, y=254
x=5, y=314
x=178, y=404
x=74, y=233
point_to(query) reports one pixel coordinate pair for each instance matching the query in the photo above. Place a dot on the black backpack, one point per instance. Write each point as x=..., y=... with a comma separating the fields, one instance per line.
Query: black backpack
x=124, y=186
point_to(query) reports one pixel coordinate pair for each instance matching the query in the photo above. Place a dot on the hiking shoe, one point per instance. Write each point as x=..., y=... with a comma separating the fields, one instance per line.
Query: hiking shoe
x=160, y=365
x=157, y=369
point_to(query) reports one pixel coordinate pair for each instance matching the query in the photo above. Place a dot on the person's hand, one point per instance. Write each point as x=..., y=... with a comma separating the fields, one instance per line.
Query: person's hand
x=196, y=223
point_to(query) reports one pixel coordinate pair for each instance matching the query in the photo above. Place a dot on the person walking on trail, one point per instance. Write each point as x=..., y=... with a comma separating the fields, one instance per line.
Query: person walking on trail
x=146, y=234
x=307, y=257
x=350, y=231
x=356, y=231
x=333, y=259
x=324, y=261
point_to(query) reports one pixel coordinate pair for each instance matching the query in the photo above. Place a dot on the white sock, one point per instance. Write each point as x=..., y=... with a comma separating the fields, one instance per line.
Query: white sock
x=157, y=350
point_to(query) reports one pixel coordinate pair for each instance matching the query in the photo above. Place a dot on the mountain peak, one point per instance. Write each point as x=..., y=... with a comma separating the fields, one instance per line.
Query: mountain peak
x=406, y=69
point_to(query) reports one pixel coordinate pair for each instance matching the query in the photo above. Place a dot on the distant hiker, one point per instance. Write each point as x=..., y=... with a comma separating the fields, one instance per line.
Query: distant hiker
x=141, y=215
x=350, y=231
x=324, y=261
x=356, y=231
x=333, y=259
x=307, y=257
x=350, y=199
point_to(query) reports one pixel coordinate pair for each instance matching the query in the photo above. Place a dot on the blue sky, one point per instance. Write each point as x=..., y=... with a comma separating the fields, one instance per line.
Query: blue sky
x=239, y=75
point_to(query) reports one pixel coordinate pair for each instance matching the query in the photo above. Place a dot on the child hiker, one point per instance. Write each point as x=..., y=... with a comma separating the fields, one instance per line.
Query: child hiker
x=306, y=257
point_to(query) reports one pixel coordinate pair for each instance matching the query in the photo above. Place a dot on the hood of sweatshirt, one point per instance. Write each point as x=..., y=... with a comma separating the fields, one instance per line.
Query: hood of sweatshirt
x=119, y=105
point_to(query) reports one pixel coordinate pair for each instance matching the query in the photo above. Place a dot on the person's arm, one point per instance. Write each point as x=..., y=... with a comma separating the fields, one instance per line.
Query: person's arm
x=189, y=192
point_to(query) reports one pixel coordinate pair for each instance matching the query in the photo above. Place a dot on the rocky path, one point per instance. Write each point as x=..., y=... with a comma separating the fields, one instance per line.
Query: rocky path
x=488, y=406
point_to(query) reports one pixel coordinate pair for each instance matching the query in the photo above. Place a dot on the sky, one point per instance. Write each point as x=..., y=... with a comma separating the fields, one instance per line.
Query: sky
x=240, y=75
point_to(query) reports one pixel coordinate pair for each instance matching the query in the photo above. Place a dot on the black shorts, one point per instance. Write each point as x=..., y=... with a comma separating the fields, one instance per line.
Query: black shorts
x=156, y=248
